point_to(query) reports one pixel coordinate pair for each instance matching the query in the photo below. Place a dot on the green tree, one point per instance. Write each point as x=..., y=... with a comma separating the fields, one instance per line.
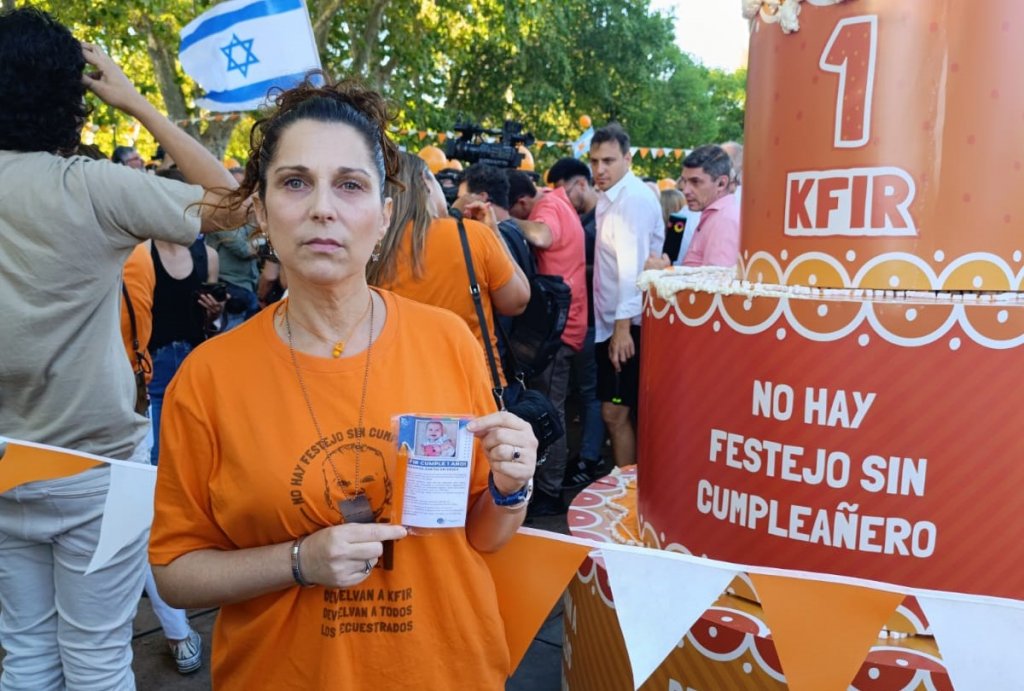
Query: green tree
x=542, y=63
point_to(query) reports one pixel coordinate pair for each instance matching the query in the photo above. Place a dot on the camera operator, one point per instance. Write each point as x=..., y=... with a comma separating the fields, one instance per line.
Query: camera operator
x=449, y=180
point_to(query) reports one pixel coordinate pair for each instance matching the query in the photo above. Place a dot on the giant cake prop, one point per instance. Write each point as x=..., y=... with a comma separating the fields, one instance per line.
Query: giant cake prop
x=850, y=406
x=845, y=401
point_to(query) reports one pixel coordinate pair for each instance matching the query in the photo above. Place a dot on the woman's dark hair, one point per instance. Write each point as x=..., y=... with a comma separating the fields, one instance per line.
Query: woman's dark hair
x=347, y=102
x=41, y=65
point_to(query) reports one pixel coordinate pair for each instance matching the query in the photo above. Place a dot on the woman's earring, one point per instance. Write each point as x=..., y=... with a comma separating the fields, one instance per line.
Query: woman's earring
x=375, y=255
x=268, y=249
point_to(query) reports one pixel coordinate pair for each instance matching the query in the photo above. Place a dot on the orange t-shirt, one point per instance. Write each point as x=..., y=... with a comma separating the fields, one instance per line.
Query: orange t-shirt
x=140, y=281
x=241, y=466
x=445, y=281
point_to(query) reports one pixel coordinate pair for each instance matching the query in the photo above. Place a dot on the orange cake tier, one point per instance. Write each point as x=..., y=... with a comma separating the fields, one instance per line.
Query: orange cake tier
x=884, y=144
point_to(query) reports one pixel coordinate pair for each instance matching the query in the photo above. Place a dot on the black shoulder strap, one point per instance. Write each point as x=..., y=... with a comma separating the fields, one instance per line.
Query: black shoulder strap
x=474, y=290
x=141, y=362
x=199, y=259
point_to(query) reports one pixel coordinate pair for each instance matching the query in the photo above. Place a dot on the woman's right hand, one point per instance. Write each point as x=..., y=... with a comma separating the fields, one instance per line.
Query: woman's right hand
x=107, y=80
x=337, y=557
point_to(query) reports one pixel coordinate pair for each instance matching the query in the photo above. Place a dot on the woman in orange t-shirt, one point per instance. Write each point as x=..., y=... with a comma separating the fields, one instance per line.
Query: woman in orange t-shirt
x=422, y=259
x=274, y=486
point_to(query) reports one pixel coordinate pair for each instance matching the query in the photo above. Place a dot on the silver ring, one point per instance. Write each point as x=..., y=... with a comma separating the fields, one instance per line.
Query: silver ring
x=366, y=569
x=517, y=453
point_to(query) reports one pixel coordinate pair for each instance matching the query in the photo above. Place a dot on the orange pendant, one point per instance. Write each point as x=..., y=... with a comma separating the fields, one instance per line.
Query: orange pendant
x=338, y=349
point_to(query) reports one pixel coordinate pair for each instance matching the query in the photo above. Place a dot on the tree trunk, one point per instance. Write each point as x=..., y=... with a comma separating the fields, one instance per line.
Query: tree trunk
x=215, y=135
x=6, y=5
x=364, y=49
x=326, y=10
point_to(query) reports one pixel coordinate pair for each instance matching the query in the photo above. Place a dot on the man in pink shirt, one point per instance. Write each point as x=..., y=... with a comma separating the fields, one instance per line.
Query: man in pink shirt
x=552, y=227
x=705, y=182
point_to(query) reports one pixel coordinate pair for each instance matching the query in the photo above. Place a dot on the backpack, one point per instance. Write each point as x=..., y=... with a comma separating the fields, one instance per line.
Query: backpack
x=531, y=339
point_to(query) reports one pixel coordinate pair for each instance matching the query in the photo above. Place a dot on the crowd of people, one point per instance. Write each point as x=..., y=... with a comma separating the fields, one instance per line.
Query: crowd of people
x=270, y=414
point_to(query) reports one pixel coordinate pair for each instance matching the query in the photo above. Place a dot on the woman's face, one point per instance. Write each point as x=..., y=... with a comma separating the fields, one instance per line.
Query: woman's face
x=323, y=210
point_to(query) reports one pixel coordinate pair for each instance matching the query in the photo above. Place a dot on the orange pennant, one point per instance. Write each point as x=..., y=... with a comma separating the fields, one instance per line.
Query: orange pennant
x=644, y=151
x=822, y=631
x=441, y=136
x=21, y=464
x=678, y=153
x=530, y=573
x=421, y=135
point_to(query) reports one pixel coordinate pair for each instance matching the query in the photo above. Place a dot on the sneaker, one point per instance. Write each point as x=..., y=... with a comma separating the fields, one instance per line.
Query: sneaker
x=584, y=472
x=188, y=654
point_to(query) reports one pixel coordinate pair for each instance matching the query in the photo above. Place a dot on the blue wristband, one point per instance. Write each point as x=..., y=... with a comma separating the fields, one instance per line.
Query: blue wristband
x=514, y=500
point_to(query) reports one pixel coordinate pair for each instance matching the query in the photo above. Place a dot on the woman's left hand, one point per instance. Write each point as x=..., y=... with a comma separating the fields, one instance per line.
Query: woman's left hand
x=510, y=447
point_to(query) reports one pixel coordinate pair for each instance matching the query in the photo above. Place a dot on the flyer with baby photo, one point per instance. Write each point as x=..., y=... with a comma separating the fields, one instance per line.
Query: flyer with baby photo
x=435, y=458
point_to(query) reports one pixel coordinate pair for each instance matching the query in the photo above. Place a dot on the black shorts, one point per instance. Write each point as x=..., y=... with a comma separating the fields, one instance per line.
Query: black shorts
x=623, y=387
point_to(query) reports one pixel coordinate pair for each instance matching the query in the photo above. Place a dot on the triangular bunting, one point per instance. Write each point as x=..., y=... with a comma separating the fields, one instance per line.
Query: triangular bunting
x=678, y=153
x=644, y=151
x=658, y=597
x=633, y=150
x=530, y=573
x=822, y=631
x=21, y=463
x=441, y=136
x=979, y=641
x=421, y=135
x=128, y=510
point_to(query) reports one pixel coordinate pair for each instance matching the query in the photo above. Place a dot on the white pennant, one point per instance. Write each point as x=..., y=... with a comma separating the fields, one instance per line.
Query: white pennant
x=128, y=511
x=657, y=599
x=980, y=642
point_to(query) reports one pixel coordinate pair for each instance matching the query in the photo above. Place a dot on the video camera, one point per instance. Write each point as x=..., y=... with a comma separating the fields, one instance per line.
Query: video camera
x=470, y=146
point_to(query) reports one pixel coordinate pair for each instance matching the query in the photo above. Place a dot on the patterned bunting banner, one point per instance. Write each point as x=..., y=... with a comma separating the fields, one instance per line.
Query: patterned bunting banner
x=657, y=594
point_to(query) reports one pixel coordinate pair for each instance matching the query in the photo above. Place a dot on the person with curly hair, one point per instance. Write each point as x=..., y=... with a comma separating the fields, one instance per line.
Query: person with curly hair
x=67, y=225
x=277, y=455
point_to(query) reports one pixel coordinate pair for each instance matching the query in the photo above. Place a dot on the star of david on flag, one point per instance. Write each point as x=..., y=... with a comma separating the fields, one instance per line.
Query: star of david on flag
x=249, y=58
x=240, y=49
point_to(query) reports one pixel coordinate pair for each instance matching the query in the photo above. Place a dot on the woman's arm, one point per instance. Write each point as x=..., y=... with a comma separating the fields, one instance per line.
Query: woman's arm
x=334, y=557
x=513, y=297
x=502, y=436
x=196, y=163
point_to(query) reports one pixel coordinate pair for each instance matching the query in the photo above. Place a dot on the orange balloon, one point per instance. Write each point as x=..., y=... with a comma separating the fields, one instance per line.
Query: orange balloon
x=454, y=164
x=527, y=162
x=434, y=158
x=585, y=121
x=666, y=184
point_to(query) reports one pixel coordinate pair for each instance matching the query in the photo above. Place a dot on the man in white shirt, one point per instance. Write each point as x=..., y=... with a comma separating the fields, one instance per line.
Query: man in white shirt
x=629, y=230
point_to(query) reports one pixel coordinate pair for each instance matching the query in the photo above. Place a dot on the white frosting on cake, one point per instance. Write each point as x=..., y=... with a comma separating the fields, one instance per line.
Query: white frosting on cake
x=784, y=12
x=719, y=280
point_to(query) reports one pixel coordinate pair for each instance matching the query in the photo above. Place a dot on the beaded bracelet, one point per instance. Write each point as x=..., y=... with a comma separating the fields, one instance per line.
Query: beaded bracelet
x=296, y=569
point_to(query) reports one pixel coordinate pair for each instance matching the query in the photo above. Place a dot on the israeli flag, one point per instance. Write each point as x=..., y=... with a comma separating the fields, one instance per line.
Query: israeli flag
x=240, y=49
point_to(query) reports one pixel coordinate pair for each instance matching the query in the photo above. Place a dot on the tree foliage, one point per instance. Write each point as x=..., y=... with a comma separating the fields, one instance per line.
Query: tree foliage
x=544, y=63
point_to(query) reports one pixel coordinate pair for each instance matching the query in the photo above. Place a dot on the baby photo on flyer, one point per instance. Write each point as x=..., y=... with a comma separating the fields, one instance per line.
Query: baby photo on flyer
x=438, y=453
x=434, y=438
